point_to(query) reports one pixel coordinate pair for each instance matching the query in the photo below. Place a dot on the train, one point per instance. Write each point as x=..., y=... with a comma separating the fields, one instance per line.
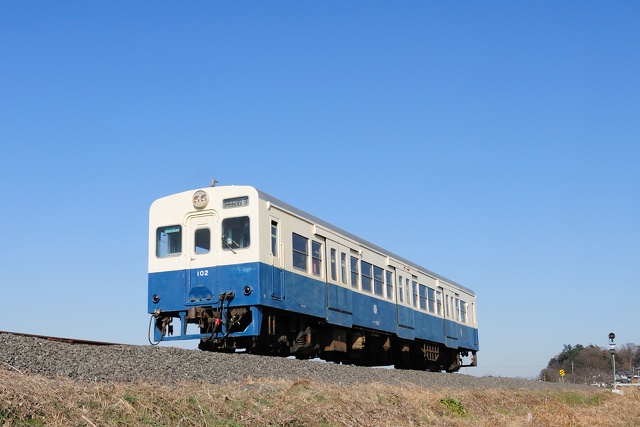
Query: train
x=243, y=271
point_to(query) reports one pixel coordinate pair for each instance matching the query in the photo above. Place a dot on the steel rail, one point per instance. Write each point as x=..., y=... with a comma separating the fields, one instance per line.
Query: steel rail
x=62, y=339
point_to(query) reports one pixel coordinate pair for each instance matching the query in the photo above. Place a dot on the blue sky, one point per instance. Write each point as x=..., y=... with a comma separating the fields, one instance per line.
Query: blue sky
x=495, y=143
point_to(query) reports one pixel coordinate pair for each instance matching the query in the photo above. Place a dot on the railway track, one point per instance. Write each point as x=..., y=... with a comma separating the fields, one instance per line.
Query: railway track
x=62, y=339
x=36, y=355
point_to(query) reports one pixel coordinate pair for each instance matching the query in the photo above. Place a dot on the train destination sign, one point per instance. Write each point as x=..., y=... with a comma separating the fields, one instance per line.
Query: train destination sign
x=235, y=202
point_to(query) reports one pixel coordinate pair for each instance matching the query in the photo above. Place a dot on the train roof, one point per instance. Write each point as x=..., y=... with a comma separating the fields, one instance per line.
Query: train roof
x=278, y=202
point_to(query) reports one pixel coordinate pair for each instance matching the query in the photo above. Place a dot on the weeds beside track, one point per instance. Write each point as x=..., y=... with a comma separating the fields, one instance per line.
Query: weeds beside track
x=30, y=400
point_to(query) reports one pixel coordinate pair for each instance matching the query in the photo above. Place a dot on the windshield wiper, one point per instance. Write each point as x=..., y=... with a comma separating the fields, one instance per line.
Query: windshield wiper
x=224, y=242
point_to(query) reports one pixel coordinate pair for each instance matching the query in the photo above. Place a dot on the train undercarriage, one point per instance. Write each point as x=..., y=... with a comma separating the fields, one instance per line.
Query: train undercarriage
x=288, y=334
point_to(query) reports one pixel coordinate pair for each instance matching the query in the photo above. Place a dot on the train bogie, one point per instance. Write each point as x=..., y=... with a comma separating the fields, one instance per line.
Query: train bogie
x=239, y=269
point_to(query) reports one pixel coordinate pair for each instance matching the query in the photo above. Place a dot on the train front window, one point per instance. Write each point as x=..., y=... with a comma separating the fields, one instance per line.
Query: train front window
x=168, y=241
x=235, y=233
x=202, y=241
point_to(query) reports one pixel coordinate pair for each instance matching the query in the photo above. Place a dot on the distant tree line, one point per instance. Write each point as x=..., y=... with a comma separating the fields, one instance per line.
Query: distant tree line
x=591, y=364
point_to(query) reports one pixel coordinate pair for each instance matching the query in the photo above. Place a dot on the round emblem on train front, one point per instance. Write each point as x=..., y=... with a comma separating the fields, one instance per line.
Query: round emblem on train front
x=200, y=199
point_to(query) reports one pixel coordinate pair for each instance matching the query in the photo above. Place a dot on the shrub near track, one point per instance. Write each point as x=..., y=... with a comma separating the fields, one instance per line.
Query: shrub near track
x=30, y=400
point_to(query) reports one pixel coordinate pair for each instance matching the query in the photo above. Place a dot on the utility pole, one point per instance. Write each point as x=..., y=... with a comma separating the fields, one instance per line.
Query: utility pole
x=572, y=377
x=612, y=350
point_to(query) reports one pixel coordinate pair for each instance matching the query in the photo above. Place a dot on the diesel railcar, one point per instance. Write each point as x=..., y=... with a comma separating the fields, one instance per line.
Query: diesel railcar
x=240, y=270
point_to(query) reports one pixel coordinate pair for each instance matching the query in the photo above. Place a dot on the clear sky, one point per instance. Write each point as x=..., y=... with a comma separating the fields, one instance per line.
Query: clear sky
x=495, y=143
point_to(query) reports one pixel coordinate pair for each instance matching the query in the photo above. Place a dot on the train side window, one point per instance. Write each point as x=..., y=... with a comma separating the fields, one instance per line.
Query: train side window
x=354, y=272
x=202, y=241
x=457, y=308
x=343, y=267
x=316, y=258
x=446, y=306
x=334, y=275
x=414, y=287
x=407, y=291
x=389, y=284
x=463, y=312
x=400, y=290
x=366, y=276
x=274, y=238
x=168, y=241
x=423, y=297
x=439, y=303
x=300, y=252
x=432, y=300
x=235, y=233
x=378, y=280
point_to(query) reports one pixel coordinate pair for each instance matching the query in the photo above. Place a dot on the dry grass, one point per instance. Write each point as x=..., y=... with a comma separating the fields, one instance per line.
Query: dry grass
x=27, y=400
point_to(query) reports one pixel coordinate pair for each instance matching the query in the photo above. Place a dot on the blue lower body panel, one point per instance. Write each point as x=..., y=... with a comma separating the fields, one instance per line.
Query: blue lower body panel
x=258, y=286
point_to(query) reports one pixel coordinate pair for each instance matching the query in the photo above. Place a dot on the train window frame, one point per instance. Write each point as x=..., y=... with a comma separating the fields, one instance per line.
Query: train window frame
x=446, y=306
x=274, y=238
x=316, y=258
x=236, y=233
x=400, y=289
x=431, y=300
x=439, y=302
x=407, y=291
x=355, y=272
x=202, y=237
x=422, y=295
x=169, y=241
x=463, y=311
x=378, y=281
x=343, y=267
x=300, y=249
x=366, y=277
x=389, y=284
x=414, y=288
x=333, y=268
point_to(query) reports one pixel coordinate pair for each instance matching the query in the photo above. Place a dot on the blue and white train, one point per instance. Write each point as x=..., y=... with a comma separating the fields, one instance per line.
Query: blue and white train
x=241, y=270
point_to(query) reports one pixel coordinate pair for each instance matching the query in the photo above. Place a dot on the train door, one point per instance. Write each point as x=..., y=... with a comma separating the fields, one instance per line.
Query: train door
x=277, y=261
x=451, y=313
x=339, y=296
x=201, y=255
x=404, y=309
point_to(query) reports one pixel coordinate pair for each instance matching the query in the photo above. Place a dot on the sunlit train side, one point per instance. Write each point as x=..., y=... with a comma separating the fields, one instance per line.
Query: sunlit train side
x=239, y=269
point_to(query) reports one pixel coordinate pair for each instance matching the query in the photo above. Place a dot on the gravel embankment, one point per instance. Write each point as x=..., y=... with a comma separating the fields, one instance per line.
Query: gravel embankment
x=170, y=365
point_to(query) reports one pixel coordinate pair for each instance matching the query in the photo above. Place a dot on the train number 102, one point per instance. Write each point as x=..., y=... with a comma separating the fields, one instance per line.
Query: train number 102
x=202, y=273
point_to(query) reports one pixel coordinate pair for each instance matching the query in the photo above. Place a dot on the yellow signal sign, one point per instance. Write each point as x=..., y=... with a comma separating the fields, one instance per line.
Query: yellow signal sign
x=562, y=372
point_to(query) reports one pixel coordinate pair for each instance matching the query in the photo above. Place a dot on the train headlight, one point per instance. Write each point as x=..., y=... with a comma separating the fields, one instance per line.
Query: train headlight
x=200, y=199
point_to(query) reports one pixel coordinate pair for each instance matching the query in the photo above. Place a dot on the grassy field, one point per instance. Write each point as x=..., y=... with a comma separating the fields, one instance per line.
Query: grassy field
x=27, y=400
